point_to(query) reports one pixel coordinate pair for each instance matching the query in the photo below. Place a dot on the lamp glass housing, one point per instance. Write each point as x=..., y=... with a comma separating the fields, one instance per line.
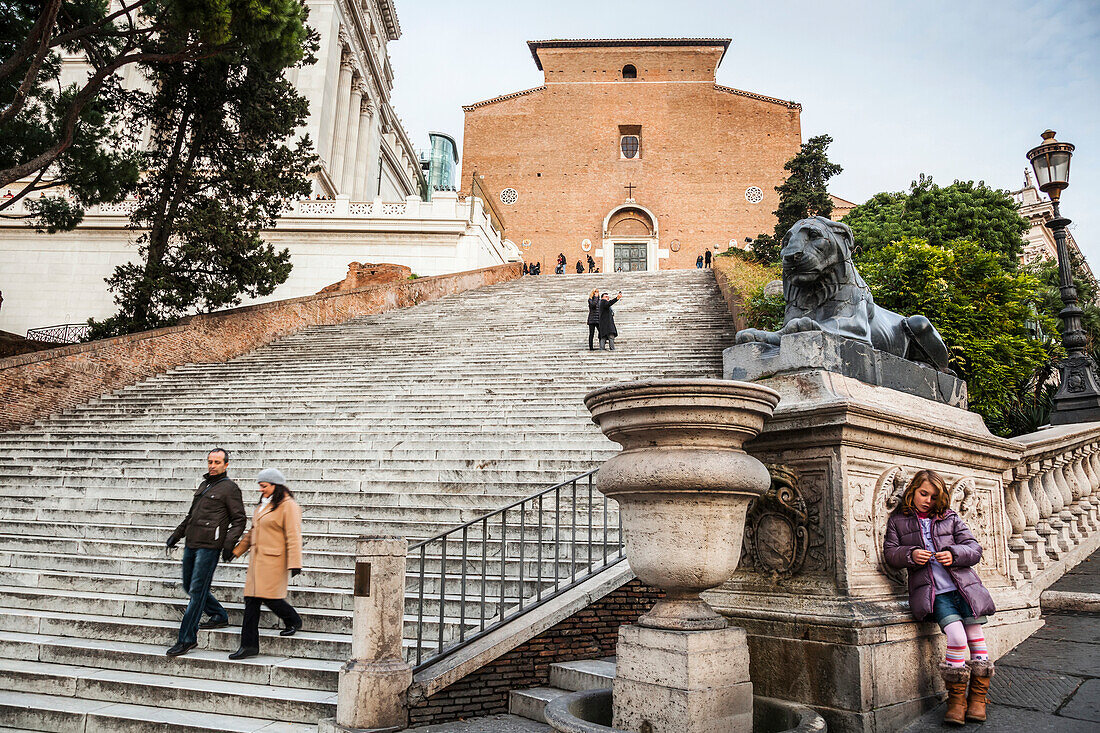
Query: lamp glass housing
x=1051, y=164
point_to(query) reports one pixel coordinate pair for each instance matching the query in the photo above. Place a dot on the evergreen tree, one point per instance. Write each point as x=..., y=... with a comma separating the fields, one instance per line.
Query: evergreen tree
x=805, y=193
x=938, y=215
x=219, y=170
x=55, y=137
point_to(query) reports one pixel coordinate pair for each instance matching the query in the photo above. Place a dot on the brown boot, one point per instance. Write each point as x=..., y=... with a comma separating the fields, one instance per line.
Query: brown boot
x=980, y=672
x=955, y=679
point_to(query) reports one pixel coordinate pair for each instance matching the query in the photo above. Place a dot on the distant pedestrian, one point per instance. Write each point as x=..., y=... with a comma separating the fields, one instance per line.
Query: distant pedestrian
x=699, y=262
x=593, y=316
x=525, y=272
x=607, y=321
x=538, y=269
x=275, y=540
x=938, y=551
x=211, y=529
x=706, y=257
x=580, y=267
x=591, y=264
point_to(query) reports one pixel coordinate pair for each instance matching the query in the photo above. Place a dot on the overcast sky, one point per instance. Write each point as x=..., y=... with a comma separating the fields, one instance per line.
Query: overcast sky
x=958, y=90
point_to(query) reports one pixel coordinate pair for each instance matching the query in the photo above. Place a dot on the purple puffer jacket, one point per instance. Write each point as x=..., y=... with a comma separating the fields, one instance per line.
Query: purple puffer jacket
x=949, y=532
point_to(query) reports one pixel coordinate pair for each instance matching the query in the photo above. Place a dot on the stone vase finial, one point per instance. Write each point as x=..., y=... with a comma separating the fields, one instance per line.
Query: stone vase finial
x=683, y=484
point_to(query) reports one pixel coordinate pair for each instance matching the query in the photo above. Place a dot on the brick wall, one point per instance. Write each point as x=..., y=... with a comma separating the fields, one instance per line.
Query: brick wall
x=702, y=146
x=34, y=386
x=587, y=634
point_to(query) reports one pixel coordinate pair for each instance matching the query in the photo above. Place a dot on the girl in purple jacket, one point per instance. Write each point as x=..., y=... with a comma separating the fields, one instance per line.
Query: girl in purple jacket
x=925, y=537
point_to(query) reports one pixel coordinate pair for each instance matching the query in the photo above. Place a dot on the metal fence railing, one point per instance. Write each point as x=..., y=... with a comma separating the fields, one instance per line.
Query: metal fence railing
x=66, y=333
x=486, y=572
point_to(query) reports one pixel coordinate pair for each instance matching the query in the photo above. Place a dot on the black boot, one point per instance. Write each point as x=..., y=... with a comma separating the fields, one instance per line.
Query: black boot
x=291, y=630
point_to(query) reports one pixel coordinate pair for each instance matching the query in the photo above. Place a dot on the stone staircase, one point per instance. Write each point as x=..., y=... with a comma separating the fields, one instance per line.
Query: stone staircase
x=407, y=423
x=565, y=677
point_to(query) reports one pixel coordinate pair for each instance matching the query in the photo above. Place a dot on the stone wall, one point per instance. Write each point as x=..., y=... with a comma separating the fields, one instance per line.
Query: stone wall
x=34, y=386
x=589, y=633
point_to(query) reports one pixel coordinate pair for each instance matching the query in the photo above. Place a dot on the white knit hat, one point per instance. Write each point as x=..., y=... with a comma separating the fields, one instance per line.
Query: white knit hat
x=271, y=476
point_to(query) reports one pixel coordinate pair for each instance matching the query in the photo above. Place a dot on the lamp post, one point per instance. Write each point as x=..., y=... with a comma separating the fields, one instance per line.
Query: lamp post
x=1078, y=397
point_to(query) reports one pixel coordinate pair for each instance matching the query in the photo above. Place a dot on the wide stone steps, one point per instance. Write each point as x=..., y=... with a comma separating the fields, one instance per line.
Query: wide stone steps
x=406, y=423
x=196, y=694
x=63, y=714
x=565, y=677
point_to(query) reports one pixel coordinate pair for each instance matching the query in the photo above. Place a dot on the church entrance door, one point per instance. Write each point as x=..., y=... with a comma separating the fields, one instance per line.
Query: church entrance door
x=630, y=257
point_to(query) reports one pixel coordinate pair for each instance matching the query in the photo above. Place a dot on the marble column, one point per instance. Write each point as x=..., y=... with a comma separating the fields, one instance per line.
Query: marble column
x=340, y=126
x=351, y=144
x=364, y=154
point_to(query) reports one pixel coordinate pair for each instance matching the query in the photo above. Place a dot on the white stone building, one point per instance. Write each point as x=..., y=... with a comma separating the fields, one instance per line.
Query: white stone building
x=370, y=184
x=1038, y=240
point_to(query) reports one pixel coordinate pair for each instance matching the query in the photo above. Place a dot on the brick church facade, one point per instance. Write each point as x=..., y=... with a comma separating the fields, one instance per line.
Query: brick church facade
x=631, y=152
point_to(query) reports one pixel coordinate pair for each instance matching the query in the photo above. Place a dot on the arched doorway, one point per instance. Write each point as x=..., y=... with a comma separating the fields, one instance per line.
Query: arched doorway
x=630, y=239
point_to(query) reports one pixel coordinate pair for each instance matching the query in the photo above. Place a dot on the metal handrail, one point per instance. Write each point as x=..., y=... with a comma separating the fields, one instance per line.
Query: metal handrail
x=66, y=333
x=601, y=554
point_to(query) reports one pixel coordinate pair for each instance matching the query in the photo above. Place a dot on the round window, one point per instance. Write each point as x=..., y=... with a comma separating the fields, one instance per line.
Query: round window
x=509, y=196
x=754, y=195
x=586, y=244
x=675, y=246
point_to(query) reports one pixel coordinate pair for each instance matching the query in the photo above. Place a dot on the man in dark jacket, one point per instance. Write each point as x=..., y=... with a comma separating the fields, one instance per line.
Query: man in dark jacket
x=211, y=528
x=607, y=328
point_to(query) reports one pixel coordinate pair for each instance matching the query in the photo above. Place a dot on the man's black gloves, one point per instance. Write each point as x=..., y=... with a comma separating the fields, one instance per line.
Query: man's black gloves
x=227, y=554
x=172, y=542
x=295, y=572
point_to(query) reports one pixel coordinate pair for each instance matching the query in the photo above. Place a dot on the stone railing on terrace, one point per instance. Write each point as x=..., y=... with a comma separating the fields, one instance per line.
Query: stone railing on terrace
x=1051, y=500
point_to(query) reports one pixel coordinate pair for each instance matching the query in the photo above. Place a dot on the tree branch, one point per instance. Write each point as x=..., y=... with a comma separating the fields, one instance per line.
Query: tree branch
x=41, y=29
x=82, y=98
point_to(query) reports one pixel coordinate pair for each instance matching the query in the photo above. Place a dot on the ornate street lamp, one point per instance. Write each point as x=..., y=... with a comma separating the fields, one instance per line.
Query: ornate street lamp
x=1078, y=397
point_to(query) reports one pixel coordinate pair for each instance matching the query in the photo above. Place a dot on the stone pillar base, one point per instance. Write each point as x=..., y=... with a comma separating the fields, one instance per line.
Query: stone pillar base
x=372, y=695
x=682, y=681
x=329, y=725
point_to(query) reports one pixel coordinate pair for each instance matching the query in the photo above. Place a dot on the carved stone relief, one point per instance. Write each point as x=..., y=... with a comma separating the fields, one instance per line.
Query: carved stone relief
x=782, y=531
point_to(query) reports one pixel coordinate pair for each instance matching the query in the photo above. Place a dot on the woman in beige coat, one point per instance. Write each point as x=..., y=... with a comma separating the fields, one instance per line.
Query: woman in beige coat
x=276, y=543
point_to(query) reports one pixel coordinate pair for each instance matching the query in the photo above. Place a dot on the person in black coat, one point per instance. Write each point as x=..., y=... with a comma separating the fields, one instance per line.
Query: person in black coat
x=706, y=258
x=580, y=267
x=591, y=264
x=607, y=321
x=593, y=316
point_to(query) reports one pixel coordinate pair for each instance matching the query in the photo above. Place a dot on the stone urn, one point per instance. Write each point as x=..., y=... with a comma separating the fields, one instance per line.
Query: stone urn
x=683, y=484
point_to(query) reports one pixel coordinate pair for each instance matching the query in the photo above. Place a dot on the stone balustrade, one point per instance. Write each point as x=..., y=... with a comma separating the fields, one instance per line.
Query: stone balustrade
x=1052, y=498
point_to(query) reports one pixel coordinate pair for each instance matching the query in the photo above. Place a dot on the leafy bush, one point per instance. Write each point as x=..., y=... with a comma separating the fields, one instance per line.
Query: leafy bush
x=987, y=313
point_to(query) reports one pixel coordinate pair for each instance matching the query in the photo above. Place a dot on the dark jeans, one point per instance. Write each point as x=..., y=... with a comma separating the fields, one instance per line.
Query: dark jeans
x=591, y=332
x=250, y=628
x=198, y=572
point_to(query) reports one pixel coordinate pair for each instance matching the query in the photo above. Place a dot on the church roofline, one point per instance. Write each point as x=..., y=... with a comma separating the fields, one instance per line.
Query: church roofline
x=501, y=98
x=623, y=42
x=761, y=97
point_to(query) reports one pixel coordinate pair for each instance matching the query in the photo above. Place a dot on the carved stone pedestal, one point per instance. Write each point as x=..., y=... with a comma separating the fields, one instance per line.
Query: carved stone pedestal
x=828, y=622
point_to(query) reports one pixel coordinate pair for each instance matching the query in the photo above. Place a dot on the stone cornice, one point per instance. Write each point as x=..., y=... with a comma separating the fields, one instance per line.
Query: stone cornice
x=501, y=98
x=761, y=97
x=389, y=19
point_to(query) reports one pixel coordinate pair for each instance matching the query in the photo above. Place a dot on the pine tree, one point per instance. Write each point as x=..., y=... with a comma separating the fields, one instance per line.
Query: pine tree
x=805, y=193
x=220, y=168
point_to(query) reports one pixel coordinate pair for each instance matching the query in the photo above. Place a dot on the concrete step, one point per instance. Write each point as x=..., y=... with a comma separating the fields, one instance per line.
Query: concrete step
x=531, y=702
x=83, y=684
x=583, y=674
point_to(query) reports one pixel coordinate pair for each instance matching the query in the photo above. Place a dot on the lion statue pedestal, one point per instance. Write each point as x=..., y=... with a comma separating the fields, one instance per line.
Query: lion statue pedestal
x=823, y=351
x=866, y=400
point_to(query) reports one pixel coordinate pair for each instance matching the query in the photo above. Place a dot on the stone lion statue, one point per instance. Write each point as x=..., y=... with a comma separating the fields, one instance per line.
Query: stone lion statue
x=824, y=292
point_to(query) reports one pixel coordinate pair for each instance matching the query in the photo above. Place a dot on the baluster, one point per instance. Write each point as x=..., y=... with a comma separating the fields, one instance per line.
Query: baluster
x=1046, y=510
x=1017, y=522
x=1062, y=481
x=1092, y=455
x=1025, y=495
x=1081, y=491
x=1058, y=542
